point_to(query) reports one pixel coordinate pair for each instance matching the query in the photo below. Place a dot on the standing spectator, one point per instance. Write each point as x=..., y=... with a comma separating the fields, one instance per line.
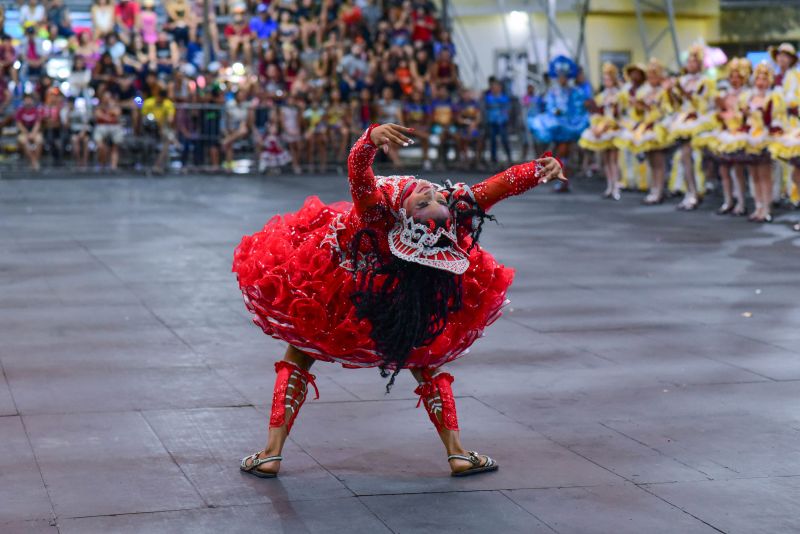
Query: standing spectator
x=498, y=107
x=470, y=131
x=29, y=124
x=390, y=111
x=52, y=127
x=127, y=18
x=31, y=14
x=239, y=36
x=338, y=127
x=290, y=116
x=443, y=121
x=236, y=128
x=314, y=118
x=103, y=16
x=211, y=124
x=531, y=105
x=76, y=116
x=32, y=53
x=416, y=115
x=108, y=131
x=161, y=110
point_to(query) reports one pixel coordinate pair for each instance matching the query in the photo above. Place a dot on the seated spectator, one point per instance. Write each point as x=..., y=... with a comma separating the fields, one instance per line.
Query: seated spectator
x=127, y=18
x=288, y=30
x=80, y=77
x=211, y=117
x=32, y=53
x=262, y=25
x=310, y=28
x=181, y=23
x=102, y=13
x=236, y=127
x=107, y=74
x=75, y=115
x=58, y=18
x=31, y=14
x=444, y=71
x=161, y=110
x=108, y=130
x=148, y=22
x=164, y=54
x=136, y=58
x=87, y=49
x=444, y=42
x=8, y=56
x=239, y=36
x=29, y=124
x=290, y=115
x=423, y=25
x=7, y=110
x=338, y=119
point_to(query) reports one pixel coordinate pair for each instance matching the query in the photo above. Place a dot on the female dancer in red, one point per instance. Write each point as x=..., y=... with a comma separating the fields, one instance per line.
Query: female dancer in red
x=395, y=280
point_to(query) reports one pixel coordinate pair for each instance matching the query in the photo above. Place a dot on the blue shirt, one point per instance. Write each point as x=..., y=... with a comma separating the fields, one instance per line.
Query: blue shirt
x=263, y=28
x=497, y=108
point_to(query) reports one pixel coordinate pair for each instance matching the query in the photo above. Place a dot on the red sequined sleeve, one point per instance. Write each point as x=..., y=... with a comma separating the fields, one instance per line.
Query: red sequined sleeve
x=513, y=181
x=359, y=173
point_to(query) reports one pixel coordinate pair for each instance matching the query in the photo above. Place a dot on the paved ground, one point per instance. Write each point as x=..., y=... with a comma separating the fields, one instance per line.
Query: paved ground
x=646, y=379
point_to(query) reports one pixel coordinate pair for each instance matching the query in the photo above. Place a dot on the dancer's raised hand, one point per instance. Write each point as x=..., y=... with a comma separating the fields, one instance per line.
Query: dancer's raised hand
x=549, y=169
x=389, y=134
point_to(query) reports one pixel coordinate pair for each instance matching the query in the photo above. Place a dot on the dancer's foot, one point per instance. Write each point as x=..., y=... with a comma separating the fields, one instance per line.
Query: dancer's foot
x=652, y=199
x=262, y=464
x=466, y=463
x=740, y=210
x=615, y=195
x=689, y=203
x=726, y=208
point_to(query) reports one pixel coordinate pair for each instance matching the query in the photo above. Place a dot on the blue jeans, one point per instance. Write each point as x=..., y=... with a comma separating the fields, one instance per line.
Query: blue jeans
x=501, y=130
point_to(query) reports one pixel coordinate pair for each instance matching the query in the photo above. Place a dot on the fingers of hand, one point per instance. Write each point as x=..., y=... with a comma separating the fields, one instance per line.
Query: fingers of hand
x=399, y=132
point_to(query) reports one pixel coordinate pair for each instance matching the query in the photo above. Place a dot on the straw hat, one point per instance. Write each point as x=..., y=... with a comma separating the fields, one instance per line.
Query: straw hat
x=630, y=67
x=741, y=65
x=784, y=48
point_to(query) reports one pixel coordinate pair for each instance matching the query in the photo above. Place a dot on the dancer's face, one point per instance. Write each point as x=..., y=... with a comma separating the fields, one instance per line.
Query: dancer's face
x=736, y=79
x=425, y=202
x=762, y=82
x=693, y=64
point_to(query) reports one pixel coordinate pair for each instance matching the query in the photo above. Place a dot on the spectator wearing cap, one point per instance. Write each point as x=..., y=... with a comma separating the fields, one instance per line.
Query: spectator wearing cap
x=29, y=124
x=239, y=36
x=32, y=53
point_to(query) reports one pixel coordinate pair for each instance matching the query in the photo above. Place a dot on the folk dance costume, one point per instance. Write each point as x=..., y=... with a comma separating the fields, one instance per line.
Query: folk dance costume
x=765, y=116
x=273, y=155
x=604, y=122
x=309, y=276
x=786, y=147
x=633, y=170
x=652, y=109
x=565, y=117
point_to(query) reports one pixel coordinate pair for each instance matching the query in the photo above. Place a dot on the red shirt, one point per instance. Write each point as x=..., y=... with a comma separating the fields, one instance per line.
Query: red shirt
x=127, y=11
x=423, y=28
x=237, y=29
x=28, y=116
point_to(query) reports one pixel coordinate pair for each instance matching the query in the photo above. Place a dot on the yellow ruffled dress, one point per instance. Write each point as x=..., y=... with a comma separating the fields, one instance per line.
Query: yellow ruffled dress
x=787, y=146
x=604, y=124
x=649, y=132
x=693, y=117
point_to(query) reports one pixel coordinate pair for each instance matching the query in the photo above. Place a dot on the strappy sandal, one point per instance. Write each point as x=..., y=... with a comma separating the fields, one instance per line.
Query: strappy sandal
x=255, y=461
x=475, y=459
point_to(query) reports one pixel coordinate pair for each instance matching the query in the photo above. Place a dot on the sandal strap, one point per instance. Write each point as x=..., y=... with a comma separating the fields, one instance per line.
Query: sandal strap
x=255, y=461
x=474, y=458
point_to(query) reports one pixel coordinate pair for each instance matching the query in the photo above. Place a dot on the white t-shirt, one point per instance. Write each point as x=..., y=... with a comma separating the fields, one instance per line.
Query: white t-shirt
x=33, y=14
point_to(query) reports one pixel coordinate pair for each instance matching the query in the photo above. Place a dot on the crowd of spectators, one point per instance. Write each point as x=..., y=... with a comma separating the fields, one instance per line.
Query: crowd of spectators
x=279, y=82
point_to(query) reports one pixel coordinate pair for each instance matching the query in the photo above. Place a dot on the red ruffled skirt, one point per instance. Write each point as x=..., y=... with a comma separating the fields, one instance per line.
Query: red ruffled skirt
x=293, y=283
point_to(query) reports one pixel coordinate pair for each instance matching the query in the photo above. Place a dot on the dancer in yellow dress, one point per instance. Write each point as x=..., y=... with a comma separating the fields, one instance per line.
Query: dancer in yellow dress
x=728, y=140
x=652, y=105
x=633, y=173
x=694, y=92
x=604, y=128
x=765, y=117
x=787, y=146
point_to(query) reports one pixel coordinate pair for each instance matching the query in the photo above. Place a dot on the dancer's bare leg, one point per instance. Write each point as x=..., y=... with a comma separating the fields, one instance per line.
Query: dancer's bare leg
x=688, y=173
x=277, y=435
x=727, y=188
x=741, y=193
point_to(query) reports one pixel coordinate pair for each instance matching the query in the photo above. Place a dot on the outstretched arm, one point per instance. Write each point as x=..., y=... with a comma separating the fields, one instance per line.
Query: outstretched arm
x=359, y=163
x=516, y=180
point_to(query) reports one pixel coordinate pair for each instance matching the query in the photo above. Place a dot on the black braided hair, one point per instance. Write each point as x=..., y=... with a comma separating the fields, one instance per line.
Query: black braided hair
x=406, y=303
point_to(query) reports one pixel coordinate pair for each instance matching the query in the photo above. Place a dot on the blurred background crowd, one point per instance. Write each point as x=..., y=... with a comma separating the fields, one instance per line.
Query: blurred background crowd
x=238, y=86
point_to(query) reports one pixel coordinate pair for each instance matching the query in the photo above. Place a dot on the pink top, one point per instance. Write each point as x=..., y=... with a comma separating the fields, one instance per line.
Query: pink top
x=149, y=21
